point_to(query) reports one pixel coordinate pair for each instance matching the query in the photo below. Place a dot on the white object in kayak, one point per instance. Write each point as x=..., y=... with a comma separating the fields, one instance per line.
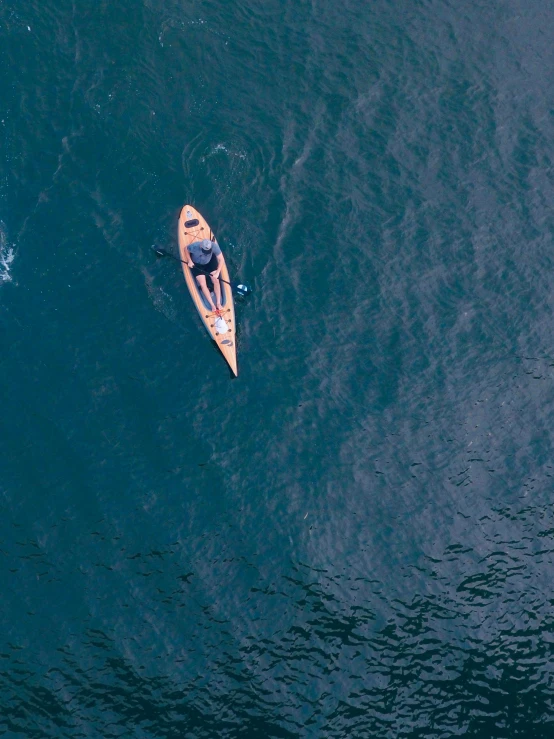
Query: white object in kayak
x=220, y=325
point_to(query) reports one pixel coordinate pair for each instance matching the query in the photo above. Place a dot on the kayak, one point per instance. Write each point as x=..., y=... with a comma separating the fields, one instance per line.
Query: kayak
x=193, y=227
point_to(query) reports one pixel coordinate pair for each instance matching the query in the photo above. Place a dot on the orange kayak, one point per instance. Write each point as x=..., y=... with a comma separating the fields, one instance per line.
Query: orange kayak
x=193, y=227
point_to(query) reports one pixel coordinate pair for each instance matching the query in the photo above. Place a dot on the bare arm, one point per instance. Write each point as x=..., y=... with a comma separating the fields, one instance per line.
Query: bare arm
x=219, y=265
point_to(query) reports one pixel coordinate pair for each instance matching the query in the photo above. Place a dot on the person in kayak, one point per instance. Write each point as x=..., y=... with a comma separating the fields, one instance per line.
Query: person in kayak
x=205, y=257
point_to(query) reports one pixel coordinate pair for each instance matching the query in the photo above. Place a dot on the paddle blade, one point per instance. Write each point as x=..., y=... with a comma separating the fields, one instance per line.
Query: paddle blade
x=159, y=252
x=243, y=290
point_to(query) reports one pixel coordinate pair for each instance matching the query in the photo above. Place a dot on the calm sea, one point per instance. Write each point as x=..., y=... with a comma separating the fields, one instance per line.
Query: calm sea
x=354, y=538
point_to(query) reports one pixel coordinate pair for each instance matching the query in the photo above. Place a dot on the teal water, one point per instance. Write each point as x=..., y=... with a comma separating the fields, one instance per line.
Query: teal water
x=354, y=538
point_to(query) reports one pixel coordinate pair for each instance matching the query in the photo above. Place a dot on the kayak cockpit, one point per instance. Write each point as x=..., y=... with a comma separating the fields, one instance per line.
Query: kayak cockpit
x=203, y=298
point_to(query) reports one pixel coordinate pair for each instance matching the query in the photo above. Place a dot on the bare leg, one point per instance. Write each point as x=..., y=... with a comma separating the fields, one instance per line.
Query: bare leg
x=201, y=280
x=217, y=291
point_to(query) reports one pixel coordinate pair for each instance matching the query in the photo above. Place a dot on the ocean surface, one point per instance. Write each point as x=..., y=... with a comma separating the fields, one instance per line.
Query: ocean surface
x=355, y=537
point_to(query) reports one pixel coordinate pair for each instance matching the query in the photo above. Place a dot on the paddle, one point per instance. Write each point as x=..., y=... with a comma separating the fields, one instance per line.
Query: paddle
x=240, y=288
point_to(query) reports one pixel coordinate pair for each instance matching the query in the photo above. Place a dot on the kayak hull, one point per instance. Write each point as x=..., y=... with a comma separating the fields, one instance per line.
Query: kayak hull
x=193, y=227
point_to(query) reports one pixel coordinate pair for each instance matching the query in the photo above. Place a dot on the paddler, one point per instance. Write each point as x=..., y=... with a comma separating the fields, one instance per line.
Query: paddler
x=205, y=257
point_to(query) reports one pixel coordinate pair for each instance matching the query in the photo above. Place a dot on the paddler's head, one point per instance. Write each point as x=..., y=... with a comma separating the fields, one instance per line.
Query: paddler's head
x=206, y=246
